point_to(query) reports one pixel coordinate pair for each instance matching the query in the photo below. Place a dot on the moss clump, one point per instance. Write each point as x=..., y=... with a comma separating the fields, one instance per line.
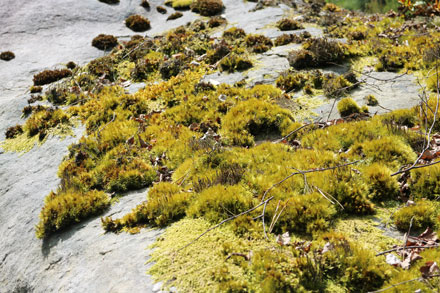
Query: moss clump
x=219, y=51
x=145, y=4
x=65, y=208
x=234, y=33
x=304, y=213
x=235, y=62
x=49, y=76
x=109, y=1
x=287, y=24
x=425, y=182
x=371, y=100
x=291, y=81
x=137, y=23
x=34, y=99
x=161, y=10
x=207, y=7
x=179, y=4
x=166, y=203
x=348, y=106
x=258, y=43
x=285, y=39
x=7, y=56
x=105, y=42
x=44, y=119
x=335, y=86
x=71, y=65
x=170, y=68
x=218, y=202
x=36, y=89
x=254, y=117
x=13, y=131
x=103, y=67
x=317, y=52
x=216, y=21
x=175, y=15
x=147, y=66
x=382, y=186
x=424, y=213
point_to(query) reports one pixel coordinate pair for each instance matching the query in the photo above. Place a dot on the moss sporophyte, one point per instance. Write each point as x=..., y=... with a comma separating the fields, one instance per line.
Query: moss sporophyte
x=209, y=151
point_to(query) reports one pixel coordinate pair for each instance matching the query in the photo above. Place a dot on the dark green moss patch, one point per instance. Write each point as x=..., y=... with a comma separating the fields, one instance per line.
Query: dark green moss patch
x=287, y=24
x=161, y=9
x=137, y=23
x=49, y=76
x=13, y=131
x=7, y=56
x=105, y=42
x=175, y=15
x=207, y=7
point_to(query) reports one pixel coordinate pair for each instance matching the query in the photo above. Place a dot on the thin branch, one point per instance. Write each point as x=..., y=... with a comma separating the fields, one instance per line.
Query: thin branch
x=395, y=285
x=405, y=248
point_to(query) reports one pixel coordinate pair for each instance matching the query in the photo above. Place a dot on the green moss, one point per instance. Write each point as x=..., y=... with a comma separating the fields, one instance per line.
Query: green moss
x=423, y=212
x=425, y=182
x=371, y=100
x=49, y=76
x=348, y=106
x=253, y=117
x=7, y=56
x=105, y=42
x=137, y=23
x=382, y=186
x=258, y=43
x=65, y=208
x=287, y=24
x=207, y=7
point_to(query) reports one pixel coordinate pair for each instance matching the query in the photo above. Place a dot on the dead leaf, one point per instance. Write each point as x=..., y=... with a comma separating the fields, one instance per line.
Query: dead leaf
x=130, y=141
x=429, y=269
x=392, y=259
x=328, y=247
x=429, y=235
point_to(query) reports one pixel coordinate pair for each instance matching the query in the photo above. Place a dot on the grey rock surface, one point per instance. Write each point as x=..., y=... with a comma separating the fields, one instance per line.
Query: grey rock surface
x=47, y=34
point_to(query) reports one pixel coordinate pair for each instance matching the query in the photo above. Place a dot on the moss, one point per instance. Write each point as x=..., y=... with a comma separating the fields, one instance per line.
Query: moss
x=371, y=100
x=103, y=67
x=65, y=208
x=170, y=68
x=34, y=99
x=348, y=106
x=42, y=120
x=425, y=183
x=234, y=33
x=36, y=89
x=137, y=23
x=161, y=9
x=258, y=43
x=291, y=81
x=13, y=131
x=306, y=214
x=216, y=21
x=179, y=4
x=382, y=186
x=254, y=117
x=105, y=42
x=318, y=52
x=109, y=1
x=145, y=4
x=285, y=39
x=207, y=7
x=175, y=15
x=49, y=76
x=287, y=24
x=146, y=66
x=217, y=203
x=7, y=56
x=166, y=203
x=424, y=213
x=235, y=62
x=71, y=65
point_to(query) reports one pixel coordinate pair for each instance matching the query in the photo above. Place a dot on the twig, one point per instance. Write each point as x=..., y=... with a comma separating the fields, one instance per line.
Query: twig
x=395, y=285
x=405, y=240
x=246, y=256
x=405, y=248
x=324, y=195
